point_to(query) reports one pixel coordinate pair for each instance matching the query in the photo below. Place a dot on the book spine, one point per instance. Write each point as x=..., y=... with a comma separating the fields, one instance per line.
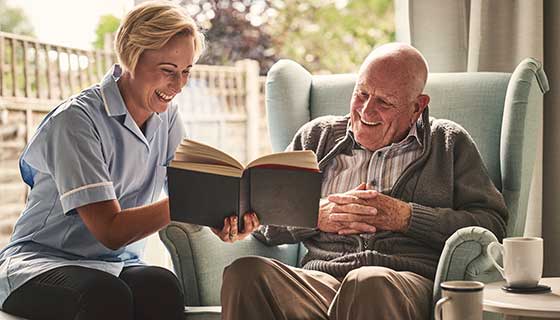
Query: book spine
x=284, y=167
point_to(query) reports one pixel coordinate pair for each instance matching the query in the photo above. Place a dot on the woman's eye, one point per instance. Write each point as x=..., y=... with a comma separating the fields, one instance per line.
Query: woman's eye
x=364, y=95
x=167, y=71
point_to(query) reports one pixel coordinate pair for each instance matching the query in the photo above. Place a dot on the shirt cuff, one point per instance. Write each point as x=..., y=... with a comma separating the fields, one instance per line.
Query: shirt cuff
x=87, y=194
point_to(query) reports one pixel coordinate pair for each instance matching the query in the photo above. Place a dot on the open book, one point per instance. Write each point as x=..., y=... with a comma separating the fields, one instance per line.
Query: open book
x=206, y=185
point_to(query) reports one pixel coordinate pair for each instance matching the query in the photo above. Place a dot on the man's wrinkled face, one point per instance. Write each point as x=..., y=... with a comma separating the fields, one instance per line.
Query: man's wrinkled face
x=383, y=106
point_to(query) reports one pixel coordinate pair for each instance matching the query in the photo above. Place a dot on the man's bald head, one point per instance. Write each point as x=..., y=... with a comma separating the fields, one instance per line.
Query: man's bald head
x=403, y=62
x=388, y=99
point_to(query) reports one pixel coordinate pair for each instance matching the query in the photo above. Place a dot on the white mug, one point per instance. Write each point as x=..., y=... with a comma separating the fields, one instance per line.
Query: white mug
x=460, y=300
x=523, y=260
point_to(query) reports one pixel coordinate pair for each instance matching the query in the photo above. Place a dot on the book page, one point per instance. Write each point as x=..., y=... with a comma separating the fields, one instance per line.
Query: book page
x=305, y=159
x=196, y=152
x=208, y=168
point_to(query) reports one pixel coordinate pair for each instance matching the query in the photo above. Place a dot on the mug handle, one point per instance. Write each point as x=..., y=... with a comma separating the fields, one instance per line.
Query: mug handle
x=489, y=250
x=439, y=306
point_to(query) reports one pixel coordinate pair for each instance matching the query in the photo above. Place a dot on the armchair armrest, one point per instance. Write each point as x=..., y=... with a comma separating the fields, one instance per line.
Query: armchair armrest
x=464, y=257
x=199, y=258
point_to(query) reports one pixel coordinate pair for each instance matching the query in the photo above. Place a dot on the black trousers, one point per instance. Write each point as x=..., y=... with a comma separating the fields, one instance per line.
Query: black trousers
x=78, y=293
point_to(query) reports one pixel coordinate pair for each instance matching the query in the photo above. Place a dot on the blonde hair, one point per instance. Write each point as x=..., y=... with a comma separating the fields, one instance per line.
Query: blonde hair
x=149, y=26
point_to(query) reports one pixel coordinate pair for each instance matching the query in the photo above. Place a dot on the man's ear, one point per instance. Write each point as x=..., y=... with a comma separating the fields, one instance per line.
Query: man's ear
x=421, y=103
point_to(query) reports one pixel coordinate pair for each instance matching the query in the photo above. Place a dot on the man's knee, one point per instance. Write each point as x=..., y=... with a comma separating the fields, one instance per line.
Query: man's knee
x=247, y=270
x=371, y=279
x=388, y=293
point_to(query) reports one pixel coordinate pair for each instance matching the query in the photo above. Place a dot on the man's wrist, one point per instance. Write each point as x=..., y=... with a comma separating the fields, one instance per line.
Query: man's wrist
x=407, y=216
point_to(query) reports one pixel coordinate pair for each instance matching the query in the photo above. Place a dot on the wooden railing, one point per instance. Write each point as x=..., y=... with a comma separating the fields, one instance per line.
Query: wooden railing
x=36, y=70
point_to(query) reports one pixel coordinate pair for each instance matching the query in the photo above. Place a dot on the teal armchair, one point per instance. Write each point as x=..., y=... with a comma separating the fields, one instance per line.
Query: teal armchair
x=502, y=112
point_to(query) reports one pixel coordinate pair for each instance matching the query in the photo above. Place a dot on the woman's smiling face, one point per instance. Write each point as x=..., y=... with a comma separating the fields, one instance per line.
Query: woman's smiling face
x=159, y=76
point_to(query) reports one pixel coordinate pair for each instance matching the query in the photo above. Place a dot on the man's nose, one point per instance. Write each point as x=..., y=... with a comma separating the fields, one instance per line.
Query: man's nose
x=369, y=105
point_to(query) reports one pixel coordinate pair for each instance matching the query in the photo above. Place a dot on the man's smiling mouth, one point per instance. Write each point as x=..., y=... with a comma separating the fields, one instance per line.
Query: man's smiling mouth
x=367, y=123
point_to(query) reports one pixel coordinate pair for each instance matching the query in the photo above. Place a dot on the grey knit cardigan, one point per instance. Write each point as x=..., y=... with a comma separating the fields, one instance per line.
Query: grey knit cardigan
x=448, y=187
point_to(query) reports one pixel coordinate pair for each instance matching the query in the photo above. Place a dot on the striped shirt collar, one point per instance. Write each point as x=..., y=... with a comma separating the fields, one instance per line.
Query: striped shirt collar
x=412, y=134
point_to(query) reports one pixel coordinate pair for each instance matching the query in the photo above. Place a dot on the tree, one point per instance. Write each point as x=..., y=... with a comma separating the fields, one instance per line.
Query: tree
x=233, y=31
x=108, y=24
x=14, y=20
x=323, y=35
x=331, y=35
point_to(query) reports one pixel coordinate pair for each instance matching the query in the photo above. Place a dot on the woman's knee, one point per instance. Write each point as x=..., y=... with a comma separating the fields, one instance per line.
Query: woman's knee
x=156, y=291
x=105, y=297
x=150, y=280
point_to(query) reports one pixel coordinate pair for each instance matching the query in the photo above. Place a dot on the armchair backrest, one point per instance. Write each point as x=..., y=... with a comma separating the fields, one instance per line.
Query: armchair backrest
x=501, y=111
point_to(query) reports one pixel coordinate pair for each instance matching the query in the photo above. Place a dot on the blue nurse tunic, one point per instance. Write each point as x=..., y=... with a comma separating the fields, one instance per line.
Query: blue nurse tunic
x=88, y=149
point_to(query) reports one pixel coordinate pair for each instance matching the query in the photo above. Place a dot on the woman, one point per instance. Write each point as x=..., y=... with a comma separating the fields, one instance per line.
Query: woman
x=96, y=167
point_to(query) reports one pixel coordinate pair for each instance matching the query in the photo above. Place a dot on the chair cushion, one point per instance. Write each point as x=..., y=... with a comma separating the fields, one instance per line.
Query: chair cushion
x=199, y=258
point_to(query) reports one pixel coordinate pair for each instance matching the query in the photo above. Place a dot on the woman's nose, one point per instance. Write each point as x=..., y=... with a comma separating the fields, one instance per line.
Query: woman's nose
x=177, y=84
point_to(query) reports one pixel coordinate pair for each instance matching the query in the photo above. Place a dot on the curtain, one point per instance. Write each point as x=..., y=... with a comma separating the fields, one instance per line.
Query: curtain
x=495, y=35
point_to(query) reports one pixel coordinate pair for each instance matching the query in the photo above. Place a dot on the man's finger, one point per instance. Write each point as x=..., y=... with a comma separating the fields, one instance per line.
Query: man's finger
x=342, y=198
x=362, y=227
x=353, y=208
x=347, y=218
x=352, y=197
x=348, y=231
x=361, y=186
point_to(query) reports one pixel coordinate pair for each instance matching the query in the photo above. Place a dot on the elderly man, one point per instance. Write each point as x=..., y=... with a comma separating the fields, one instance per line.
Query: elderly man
x=397, y=184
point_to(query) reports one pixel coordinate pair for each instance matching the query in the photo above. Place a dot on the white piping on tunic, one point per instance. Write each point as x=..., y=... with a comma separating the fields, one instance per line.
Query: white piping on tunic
x=93, y=185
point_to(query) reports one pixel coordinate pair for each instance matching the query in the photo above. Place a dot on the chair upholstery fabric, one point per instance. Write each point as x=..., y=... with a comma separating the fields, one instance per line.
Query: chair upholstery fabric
x=502, y=112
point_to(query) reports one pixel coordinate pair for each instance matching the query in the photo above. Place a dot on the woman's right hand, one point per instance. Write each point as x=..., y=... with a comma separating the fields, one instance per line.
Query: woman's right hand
x=229, y=232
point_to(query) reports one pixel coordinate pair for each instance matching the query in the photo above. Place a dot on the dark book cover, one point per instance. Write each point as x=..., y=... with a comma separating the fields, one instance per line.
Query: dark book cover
x=280, y=196
x=202, y=198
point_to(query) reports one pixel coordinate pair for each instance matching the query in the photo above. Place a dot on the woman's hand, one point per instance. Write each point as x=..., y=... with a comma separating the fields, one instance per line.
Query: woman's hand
x=229, y=232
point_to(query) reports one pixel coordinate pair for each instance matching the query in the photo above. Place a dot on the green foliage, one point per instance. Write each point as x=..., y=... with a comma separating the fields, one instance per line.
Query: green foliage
x=326, y=36
x=231, y=31
x=14, y=20
x=108, y=24
x=331, y=35
x=323, y=35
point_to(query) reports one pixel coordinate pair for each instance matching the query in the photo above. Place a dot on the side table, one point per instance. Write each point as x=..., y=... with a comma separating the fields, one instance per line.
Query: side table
x=514, y=305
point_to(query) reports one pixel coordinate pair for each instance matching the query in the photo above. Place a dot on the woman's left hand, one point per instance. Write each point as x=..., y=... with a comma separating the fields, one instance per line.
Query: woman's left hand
x=229, y=232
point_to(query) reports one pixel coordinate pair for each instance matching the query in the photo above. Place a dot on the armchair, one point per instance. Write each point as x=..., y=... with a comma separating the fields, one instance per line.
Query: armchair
x=502, y=112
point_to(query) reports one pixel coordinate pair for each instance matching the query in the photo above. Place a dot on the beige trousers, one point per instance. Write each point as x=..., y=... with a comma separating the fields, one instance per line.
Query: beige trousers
x=260, y=288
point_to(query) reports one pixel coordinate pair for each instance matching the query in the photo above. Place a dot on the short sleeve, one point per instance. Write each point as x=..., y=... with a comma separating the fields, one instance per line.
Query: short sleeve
x=69, y=149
